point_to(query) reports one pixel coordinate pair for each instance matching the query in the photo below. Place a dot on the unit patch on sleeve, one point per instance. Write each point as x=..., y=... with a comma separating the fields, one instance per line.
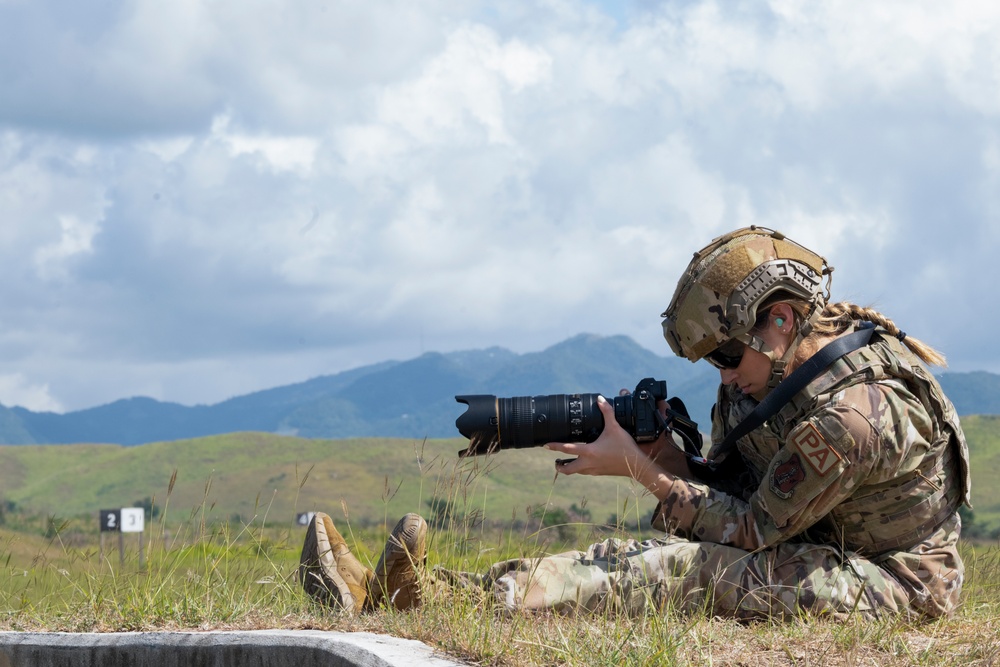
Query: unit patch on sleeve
x=816, y=450
x=787, y=476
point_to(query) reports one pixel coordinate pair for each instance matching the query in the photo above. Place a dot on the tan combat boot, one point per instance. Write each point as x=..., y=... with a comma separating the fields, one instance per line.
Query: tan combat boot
x=395, y=582
x=328, y=570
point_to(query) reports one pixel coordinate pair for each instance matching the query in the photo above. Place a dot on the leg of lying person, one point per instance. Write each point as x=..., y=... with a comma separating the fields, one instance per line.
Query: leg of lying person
x=782, y=581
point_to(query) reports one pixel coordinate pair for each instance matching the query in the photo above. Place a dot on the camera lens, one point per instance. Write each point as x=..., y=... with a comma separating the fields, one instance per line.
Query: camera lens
x=493, y=423
x=528, y=421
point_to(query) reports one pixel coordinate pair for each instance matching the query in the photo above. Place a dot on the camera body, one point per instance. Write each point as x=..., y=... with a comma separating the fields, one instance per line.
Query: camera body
x=492, y=423
x=637, y=412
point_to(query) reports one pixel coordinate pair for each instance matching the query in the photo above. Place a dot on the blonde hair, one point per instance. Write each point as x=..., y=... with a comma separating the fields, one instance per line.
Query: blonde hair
x=836, y=318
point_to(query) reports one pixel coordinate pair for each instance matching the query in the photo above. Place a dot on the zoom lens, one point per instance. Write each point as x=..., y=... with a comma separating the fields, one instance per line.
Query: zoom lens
x=493, y=423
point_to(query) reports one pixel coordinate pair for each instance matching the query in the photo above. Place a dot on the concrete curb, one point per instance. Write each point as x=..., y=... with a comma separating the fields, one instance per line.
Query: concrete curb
x=258, y=648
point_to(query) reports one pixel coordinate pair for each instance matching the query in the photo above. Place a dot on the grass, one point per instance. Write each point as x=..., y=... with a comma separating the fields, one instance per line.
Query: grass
x=204, y=571
x=244, y=580
x=376, y=478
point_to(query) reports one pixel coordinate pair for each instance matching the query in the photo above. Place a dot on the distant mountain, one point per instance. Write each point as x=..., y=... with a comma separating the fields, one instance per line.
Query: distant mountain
x=415, y=398
x=976, y=393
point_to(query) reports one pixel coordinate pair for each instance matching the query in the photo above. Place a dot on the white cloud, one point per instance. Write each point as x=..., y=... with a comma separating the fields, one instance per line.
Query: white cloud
x=76, y=238
x=288, y=153
x=17, y=390
x=462, y=90
x=209, y=184
x=168, y=149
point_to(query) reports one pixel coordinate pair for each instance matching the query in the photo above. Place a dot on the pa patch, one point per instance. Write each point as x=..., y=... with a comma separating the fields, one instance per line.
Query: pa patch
x=787, y=476
x=816, y=450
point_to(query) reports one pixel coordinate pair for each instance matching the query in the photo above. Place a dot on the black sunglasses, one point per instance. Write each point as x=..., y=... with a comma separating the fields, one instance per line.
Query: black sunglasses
x=728, y=355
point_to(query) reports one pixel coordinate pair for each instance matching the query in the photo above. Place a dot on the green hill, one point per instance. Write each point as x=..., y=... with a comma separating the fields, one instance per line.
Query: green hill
x=248, y=475
x=258, y=475
x=983, y=434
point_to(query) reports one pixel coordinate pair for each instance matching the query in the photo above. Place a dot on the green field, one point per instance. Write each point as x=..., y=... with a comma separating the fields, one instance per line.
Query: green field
x=255, y=476
x=223, y=548
x=983, y=435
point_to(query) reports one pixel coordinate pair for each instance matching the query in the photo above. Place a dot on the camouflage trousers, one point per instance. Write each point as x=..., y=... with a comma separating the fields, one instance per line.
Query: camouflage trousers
x=671, y=572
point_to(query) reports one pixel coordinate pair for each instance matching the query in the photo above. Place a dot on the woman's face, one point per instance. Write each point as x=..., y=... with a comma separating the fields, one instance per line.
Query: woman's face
x=754, y=371
x=751, y=375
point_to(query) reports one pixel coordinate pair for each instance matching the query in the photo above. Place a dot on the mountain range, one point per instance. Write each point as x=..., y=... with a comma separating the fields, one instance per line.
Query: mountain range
x=414, y=398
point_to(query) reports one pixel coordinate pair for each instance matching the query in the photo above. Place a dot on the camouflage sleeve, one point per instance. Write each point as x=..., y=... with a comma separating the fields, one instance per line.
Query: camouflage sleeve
x=824, y=458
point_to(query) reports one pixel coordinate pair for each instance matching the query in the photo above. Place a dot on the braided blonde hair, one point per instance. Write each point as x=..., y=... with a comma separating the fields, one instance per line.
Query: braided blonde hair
x=837, y=318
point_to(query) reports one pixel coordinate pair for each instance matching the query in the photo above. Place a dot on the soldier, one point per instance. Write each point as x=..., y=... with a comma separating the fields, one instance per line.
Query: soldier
x=835, y=492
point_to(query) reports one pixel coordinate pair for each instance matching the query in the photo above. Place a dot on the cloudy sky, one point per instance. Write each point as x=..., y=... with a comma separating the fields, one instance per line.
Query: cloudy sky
x=204, y=198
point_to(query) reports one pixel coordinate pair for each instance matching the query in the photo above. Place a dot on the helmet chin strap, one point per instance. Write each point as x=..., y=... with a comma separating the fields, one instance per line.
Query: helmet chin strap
x=779, y=366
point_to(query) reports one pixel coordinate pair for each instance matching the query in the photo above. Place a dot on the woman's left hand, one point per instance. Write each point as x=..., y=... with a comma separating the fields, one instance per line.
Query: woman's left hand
x=614, y=453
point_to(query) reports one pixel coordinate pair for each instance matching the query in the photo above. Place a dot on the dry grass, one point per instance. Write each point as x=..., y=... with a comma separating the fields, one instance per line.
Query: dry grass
x=245, y=580
x=201, y=576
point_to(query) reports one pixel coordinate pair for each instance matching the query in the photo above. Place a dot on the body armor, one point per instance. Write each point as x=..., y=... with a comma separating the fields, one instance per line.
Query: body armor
x=906, y=497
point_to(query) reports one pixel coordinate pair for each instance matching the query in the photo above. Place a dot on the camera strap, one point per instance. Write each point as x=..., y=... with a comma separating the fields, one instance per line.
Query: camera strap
x=798, y=380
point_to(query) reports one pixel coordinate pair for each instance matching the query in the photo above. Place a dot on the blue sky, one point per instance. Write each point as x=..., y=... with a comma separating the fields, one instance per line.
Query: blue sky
x=203, y=199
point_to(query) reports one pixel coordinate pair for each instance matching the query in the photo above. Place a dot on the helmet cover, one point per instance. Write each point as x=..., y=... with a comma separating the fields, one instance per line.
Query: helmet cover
x=718, y=295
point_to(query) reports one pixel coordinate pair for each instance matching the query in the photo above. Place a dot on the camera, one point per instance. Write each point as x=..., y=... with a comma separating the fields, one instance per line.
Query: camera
x=492, y=423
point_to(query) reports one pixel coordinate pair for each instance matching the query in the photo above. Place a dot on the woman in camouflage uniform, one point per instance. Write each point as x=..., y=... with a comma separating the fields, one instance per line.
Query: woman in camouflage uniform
x=845, y=500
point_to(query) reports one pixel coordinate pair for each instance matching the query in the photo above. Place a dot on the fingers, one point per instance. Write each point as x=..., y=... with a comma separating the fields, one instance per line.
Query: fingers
x=575, y=448
x=571, y=448
x=564, y=448
x=614, y=452
x=607, y=455
x=607, y=409
x=567, y=466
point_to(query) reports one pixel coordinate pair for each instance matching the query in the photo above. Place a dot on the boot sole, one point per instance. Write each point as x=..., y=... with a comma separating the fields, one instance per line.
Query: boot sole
x=323, y=581
x=405, y=548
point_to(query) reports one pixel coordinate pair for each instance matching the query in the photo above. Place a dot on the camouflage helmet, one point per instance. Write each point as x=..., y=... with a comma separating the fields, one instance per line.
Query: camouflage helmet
x=718, y=296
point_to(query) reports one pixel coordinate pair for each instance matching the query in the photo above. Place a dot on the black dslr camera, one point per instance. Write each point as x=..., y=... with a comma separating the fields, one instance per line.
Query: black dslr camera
x=493, y=423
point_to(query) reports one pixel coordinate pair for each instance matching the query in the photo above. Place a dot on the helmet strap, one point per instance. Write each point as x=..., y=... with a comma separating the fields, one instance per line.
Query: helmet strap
x=779, y=366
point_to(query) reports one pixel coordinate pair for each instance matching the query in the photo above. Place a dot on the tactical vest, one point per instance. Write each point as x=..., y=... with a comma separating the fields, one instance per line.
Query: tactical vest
x=899, y=513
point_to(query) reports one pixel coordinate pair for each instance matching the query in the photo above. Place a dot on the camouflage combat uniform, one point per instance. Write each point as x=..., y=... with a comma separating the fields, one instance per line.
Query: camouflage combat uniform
x=846, y=502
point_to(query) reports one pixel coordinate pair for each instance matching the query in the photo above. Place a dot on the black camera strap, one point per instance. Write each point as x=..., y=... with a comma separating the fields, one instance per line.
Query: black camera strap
x=798, y=380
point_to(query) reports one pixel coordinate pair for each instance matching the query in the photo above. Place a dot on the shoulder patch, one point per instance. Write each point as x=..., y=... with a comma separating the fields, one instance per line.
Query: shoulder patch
x=787, y=476
x=822, y=457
